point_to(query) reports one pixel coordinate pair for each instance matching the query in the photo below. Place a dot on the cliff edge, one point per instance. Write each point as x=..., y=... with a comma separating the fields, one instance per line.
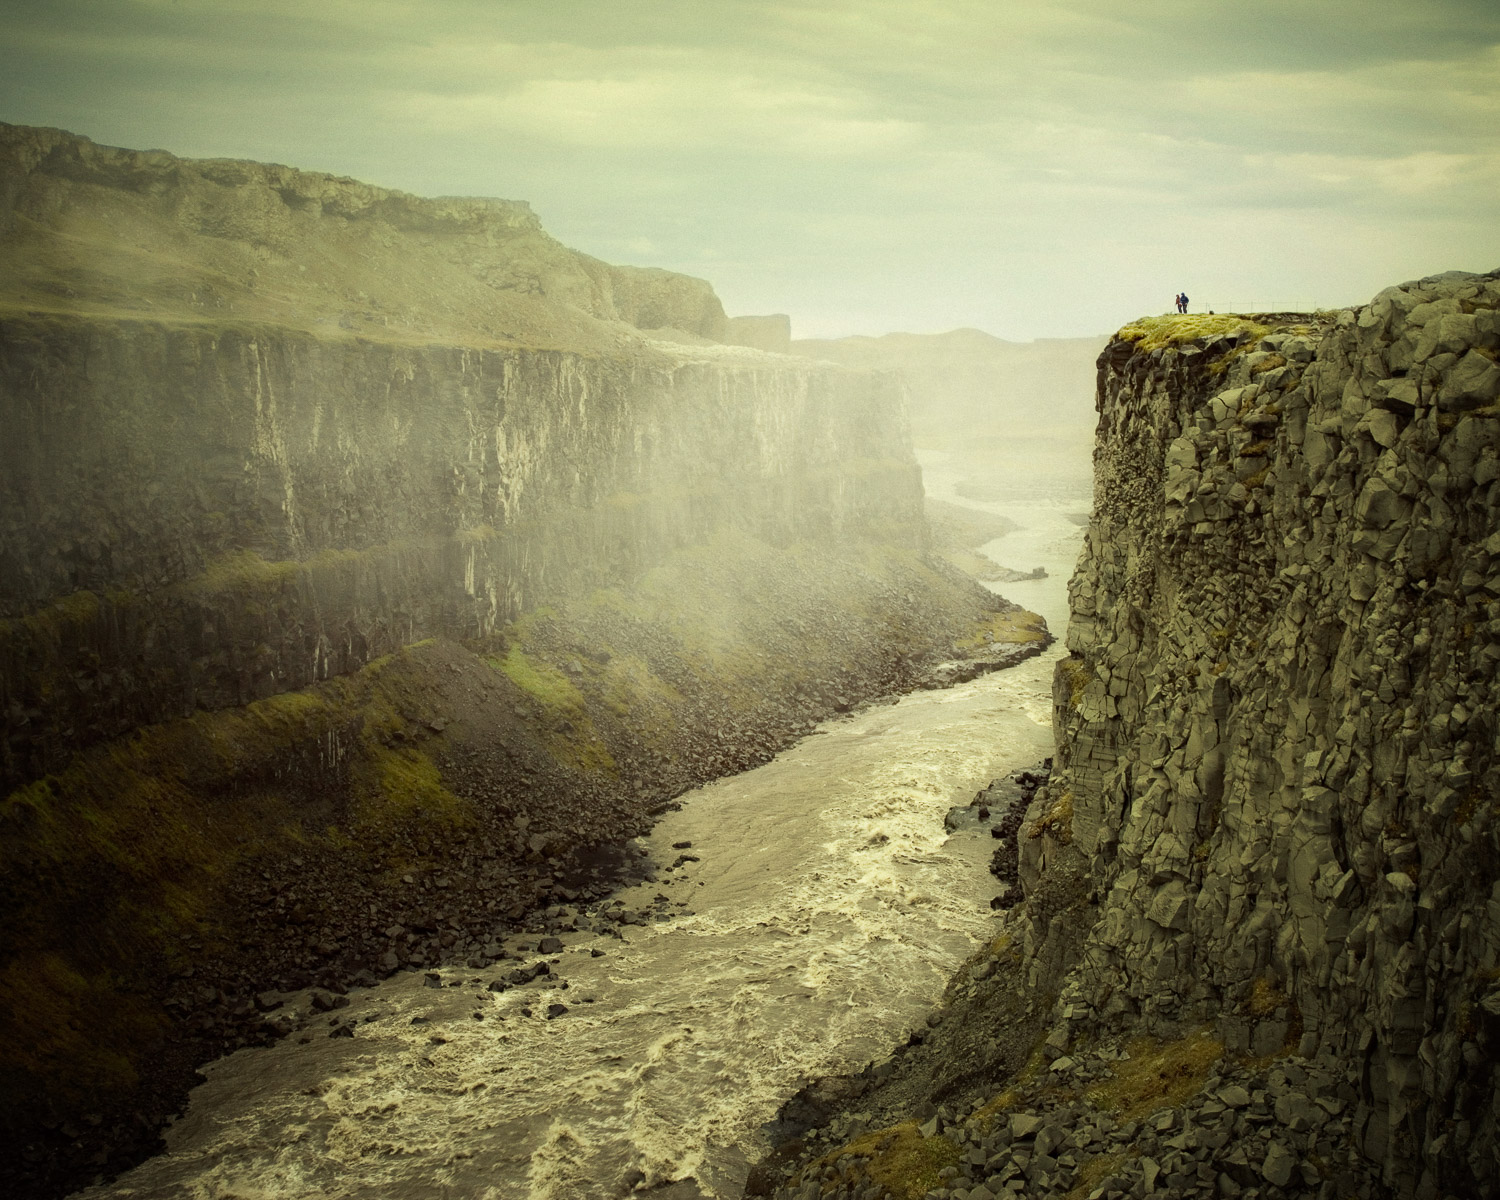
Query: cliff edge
x=1259, y=951
x=1277, y=727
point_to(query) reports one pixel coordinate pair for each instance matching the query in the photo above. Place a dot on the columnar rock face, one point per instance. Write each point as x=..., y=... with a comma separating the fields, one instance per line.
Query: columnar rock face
x=1277, y=730
x=197, y=518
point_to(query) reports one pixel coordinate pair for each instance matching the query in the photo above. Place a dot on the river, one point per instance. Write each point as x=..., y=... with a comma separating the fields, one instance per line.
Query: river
x=820, y=921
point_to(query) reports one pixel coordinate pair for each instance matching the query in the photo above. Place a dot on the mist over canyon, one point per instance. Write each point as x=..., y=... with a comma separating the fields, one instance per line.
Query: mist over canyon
x=518, y=730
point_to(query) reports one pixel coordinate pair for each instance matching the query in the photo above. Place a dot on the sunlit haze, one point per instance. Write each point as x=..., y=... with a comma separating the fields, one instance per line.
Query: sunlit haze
x=1032, y=169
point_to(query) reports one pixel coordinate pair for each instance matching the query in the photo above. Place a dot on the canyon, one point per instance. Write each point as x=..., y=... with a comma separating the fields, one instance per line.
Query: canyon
x=373, y=565
x=1258, y=949
x=378, y=573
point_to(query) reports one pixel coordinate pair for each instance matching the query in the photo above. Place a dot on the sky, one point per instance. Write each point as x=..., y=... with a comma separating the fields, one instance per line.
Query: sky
x=1047, y=168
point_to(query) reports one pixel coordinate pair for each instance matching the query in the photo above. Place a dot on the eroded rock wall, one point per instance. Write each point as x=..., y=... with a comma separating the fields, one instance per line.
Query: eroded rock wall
x=364, y=569
x=263, y=425
x=1277, y=729
x=200, y=517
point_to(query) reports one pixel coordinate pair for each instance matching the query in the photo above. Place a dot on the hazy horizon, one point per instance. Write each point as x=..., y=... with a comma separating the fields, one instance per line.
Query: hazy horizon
x=1030, y=170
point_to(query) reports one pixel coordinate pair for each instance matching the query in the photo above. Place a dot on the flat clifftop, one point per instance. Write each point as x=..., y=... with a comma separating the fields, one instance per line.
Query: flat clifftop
x=102, y=231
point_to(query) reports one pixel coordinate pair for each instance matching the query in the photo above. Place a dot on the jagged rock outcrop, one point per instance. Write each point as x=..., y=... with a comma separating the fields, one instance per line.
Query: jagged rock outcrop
x=772, y=333
x=1277, y=729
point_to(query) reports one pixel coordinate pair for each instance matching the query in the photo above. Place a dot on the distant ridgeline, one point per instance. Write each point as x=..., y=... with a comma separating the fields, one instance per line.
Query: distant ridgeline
x=349, y=539
x=1260, y=944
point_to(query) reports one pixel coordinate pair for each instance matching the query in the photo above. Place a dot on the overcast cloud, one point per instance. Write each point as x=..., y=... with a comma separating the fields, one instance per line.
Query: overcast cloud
x=1032, y=169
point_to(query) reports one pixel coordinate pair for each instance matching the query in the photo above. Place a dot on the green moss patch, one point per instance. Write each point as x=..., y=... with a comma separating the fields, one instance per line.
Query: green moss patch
x=1158, y=1074
x=48, y=624
x=245, y=571
x=898, y=1159
x=1093, y=1172
x=545, y=684
x=1077, y=677
x=565, y=711
x=56, y=1011
x=1014, y=628
x=113, y=870
x=400, y=784
x=1154, y=333
x=1058, y=821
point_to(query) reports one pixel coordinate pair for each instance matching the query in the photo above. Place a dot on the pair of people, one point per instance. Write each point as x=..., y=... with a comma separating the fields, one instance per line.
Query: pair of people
x=1182, y=302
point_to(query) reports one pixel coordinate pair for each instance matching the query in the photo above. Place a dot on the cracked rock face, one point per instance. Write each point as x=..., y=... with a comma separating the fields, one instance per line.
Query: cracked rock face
x=1277, y=727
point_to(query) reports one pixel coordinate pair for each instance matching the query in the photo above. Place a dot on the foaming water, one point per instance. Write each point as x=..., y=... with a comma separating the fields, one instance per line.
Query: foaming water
x=820, y=924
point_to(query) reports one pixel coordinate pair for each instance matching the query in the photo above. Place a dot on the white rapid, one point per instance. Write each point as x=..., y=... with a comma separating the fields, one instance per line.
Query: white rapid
x=819, y=924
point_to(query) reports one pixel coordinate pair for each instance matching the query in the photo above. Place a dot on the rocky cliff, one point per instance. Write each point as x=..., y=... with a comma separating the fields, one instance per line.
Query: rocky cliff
x=1277, y=729
x=366, y=572
x=196, y=517
x=219, y=483
x=1259, y=952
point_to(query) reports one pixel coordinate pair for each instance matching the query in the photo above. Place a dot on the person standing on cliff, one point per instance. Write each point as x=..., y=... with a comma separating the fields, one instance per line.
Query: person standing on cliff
x=1177, y=302
x=1184, y=300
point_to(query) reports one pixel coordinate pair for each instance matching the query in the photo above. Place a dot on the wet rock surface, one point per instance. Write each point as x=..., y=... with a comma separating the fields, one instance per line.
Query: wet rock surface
x=1001, y=808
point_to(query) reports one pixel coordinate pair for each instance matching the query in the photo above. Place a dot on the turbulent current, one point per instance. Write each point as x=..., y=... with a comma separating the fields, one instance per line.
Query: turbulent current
x=822, y=916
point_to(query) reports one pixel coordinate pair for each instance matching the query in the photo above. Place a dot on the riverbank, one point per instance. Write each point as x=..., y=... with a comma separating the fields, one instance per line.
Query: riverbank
x=814, y=917
x=412, y=817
